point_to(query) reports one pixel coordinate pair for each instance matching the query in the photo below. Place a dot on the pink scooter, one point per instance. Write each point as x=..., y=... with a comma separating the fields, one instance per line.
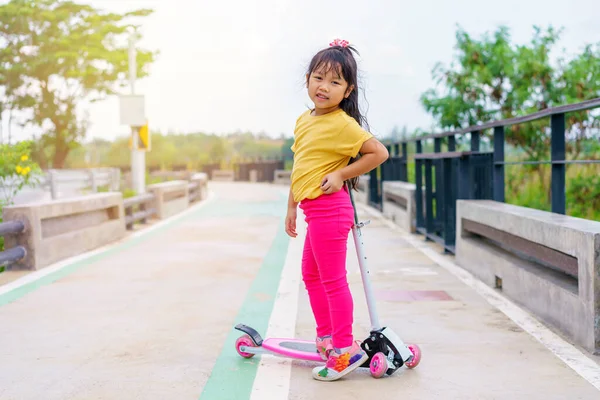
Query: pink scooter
x=387, y=352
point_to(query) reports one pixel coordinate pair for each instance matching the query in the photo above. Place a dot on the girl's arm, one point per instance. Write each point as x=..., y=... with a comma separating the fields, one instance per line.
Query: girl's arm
x=373, y=153
x=290, y=218
x=291, y=203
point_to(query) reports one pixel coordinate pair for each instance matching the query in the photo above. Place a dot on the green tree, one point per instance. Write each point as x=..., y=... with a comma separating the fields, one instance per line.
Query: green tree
x=492, y=78
x=193, y=150
x=56, y=54
x=164, y=152
x=218, y=149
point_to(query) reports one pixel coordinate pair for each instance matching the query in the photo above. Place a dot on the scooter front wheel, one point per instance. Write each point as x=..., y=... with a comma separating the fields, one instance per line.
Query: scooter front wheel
x=244, y=340
x=378, y=365
x=416, y=350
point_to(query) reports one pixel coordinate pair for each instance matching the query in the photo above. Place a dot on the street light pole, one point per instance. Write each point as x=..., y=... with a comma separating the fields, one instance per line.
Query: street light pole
x=138, y=157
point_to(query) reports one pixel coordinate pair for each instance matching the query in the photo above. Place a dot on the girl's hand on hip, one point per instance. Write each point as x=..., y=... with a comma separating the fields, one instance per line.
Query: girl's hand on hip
x=332, y=182
x=290, y=222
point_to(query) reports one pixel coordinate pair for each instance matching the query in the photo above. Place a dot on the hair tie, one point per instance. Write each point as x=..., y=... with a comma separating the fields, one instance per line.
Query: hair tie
x=339, y=42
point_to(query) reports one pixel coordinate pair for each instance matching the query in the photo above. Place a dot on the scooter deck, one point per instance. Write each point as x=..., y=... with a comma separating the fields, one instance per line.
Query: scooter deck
x=294, y=348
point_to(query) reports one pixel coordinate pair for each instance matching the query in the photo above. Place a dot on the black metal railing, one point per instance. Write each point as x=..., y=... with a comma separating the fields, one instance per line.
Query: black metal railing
x=16, y=253
x=448, y=177
x=441, y=178
x=395, y=168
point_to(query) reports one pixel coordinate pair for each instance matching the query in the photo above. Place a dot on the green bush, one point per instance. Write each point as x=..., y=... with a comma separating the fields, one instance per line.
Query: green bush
x=128, y=193
x=16, y=171
x=583, y=195
x=528, y=187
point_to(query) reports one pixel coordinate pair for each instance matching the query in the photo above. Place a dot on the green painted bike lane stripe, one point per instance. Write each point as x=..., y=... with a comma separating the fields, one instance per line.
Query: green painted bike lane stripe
x=214, y=208
x=232, y=376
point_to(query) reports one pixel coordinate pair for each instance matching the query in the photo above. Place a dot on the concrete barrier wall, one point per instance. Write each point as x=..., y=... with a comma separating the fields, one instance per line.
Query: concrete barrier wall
x=201, y=179
x=55, y=230
x=546, y=262
x=170, y=197
x=282, y=177
x=223, y=175
x=399, y=204
x=58, y=229
x=253, y=175
x=173, y=175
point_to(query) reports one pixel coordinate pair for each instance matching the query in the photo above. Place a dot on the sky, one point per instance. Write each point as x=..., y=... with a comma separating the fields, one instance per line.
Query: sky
x=227, y=66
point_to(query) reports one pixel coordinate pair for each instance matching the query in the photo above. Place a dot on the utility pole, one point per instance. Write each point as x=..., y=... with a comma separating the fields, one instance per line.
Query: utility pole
x=138, y=157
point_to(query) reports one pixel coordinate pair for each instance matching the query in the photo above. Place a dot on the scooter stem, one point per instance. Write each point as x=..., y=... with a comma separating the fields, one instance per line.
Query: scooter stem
x=362, y=263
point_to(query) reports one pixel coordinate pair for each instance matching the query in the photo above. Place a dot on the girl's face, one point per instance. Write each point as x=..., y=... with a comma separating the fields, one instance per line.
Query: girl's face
x=327, y=89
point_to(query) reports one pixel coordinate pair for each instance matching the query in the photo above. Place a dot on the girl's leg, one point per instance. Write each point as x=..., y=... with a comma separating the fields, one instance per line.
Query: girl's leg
x=316, y=292
x=328, y=231
x=329, y=221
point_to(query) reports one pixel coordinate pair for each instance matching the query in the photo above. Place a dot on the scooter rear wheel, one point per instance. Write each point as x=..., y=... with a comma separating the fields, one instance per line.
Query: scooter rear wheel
x=416, y=350
x=244, y=340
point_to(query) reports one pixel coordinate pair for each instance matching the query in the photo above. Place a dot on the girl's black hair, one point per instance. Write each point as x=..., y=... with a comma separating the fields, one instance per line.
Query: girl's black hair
x=341, y=61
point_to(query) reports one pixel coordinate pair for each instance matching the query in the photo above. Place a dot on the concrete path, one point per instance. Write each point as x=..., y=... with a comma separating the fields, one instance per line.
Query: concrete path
x=152, y=317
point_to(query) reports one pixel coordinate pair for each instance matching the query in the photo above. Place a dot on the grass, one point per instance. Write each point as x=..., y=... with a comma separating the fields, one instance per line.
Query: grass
x=528, y=187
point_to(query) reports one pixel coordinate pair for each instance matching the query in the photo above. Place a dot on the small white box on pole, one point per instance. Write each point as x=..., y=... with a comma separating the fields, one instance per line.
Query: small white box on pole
x=132, y=110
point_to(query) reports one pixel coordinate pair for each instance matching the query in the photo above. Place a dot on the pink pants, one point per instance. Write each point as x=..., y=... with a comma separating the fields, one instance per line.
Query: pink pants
x=329, y=219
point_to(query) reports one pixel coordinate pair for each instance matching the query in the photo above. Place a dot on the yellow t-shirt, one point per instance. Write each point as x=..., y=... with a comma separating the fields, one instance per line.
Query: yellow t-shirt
x=322, y=144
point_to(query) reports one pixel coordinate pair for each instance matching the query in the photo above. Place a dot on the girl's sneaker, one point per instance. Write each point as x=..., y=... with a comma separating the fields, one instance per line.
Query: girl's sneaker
x=324, y=346
x=339, y=365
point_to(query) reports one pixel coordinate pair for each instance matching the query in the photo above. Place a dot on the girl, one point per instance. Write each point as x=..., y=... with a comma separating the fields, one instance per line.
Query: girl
x=327, y=141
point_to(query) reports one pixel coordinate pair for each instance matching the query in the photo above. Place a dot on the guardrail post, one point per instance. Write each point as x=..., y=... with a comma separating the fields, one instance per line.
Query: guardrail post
x=448, y=216
x=404, y=163
x=451, y=143
x=419, y=185
x=387, y=169
x=557, y=150
x=438, y=195
x=475, y=136
x=428, y=196
x=499, y=168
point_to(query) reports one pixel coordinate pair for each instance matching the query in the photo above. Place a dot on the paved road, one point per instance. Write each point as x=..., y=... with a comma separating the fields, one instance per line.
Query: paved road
x=152, y=317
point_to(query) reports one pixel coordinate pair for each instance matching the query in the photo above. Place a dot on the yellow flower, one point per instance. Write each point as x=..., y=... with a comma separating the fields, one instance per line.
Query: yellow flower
x=24, y=157
x=19, y=169
x=26, y=170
